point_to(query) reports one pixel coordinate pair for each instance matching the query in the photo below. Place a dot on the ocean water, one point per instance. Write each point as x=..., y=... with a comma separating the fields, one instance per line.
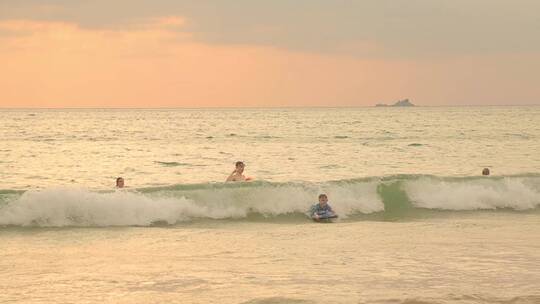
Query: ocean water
x=418, y=224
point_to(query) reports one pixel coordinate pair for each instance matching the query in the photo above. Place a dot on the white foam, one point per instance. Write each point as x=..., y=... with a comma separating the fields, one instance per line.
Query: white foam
x=514, y=193
x=360, y=197
x=81, y=207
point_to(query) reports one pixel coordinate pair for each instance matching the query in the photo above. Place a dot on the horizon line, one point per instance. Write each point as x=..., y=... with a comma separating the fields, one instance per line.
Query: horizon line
x=261, y=107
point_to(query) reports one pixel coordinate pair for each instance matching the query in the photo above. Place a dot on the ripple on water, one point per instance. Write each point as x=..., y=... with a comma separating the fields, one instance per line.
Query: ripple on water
x=171, y=164
x=278, y=300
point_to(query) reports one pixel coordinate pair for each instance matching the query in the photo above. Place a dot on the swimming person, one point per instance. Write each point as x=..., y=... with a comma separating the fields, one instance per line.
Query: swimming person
x=120, y=182
x=237, y=175
x=322, y=210
x=485, y=172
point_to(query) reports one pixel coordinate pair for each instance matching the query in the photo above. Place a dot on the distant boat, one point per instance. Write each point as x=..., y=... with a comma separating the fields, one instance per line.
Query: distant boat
x=400, y=103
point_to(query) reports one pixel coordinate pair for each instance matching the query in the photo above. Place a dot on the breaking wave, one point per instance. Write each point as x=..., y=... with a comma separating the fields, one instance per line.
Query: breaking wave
x=392, y=197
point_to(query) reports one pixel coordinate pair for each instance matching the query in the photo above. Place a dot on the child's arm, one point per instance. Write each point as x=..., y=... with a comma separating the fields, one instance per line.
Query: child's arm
x=231, y=177
x=313, y=211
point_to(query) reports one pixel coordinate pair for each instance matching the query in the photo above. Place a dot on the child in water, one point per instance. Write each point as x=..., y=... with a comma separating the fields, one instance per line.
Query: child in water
x=237, y=175
x=322, y=209
x=120, y=182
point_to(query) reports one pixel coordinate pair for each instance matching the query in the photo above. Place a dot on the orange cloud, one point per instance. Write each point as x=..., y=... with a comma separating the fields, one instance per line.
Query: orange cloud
x=57, y=64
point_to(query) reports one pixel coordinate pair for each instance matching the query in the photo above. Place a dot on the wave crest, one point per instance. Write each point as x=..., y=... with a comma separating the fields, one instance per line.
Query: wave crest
x=396, y=196
x=480, y=194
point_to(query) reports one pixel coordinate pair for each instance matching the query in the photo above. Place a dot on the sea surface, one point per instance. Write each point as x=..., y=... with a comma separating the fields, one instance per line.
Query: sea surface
x=418, y=223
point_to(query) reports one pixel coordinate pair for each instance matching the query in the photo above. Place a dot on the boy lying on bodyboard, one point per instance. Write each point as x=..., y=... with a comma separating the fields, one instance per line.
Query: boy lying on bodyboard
x=322, y=211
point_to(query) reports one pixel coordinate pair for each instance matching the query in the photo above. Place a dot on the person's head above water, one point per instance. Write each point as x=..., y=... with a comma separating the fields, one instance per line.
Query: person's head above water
x=240, y=167
x=485, y=171
x=323, y=199
x=120, y=182
x=237, y=175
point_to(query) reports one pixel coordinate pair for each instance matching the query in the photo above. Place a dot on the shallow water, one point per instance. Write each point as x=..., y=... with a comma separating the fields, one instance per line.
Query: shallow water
x=456, y=258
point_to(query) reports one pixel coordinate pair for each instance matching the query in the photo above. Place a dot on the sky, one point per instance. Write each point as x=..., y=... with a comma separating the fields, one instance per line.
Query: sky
x=272, y=53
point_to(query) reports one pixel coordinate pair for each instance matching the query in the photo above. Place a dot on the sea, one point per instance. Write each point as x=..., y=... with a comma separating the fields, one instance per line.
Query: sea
x=418, y=223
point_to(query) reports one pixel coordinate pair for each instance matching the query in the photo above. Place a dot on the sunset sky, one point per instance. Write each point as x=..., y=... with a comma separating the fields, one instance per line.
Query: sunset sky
x=174, y=53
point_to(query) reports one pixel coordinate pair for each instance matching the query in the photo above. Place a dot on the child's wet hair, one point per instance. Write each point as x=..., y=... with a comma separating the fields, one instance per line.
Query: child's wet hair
x=323, y=195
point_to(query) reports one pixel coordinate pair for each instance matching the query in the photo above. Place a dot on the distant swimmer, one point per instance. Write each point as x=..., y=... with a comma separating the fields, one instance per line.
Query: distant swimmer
x=237, y=175
x=485, y=172
x=120, y=182
x=322, y=210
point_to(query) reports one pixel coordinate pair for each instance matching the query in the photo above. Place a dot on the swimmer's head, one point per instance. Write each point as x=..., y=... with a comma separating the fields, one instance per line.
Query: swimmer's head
x=120, y=182
x=240, y=166
x=323, y=199
x=485, y=171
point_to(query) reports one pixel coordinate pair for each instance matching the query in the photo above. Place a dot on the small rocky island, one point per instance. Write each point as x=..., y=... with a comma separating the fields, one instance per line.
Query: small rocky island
x=400, y=103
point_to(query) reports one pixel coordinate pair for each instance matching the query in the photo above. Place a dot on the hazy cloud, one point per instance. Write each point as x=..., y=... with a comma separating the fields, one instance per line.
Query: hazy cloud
x=393, y=28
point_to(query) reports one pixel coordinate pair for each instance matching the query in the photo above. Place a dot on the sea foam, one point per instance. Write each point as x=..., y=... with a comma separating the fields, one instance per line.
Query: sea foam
x=474, y=194
x=81, y=207
x=57, y=207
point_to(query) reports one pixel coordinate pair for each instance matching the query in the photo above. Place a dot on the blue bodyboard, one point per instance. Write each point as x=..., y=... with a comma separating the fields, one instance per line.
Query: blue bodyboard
x=325, y=217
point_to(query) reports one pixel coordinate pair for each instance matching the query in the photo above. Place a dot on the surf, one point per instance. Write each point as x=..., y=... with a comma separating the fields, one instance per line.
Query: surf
x=382, y=198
